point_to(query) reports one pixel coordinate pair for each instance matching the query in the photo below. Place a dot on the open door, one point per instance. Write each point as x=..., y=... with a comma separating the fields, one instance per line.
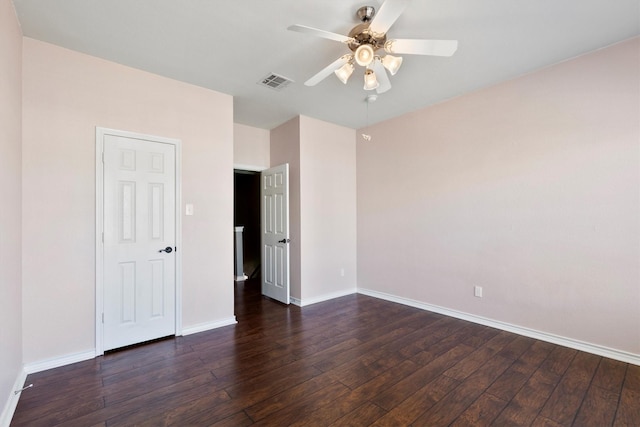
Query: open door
x=274, y=207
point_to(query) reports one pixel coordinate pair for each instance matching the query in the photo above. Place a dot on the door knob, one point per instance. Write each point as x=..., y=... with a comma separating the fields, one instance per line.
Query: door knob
x=168, y=249
x=284, y=241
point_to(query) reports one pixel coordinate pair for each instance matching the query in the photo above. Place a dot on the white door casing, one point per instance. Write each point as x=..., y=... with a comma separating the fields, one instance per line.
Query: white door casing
x=274, y=207
x=137, y=284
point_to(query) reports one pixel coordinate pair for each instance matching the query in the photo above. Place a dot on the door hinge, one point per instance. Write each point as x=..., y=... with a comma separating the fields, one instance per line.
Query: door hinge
x=102, y=317
x=103, y=237
x=103, y=157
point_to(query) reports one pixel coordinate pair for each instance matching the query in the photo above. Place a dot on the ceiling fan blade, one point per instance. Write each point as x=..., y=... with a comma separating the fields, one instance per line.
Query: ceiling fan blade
x=320, y=33
x=324, y=73
x=422, y=47
x=384, y=18
x=381, y=76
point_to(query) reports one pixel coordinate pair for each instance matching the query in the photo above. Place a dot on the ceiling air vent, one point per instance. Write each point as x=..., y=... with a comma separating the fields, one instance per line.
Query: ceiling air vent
x=275, y=81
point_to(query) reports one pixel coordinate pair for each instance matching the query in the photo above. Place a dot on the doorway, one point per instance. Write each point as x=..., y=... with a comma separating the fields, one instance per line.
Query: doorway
x=246, y=213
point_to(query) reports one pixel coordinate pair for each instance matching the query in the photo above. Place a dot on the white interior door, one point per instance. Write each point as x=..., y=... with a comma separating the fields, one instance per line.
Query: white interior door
x=139, y=214
x=274, y=206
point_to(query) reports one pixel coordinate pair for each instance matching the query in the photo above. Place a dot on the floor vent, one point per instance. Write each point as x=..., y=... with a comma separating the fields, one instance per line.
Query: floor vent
x=275, y=81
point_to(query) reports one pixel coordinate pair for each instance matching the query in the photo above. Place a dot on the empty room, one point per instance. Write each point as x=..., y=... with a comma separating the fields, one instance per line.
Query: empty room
x=443, y=226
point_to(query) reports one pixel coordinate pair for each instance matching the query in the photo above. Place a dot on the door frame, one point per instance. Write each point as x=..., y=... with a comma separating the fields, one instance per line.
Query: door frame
x=99, y=288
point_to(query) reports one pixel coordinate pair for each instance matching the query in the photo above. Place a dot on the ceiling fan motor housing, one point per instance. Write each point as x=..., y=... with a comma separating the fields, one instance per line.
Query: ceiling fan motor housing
x=360, y=34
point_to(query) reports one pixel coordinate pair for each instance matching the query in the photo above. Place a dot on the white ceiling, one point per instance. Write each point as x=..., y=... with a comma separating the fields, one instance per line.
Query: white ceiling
x=229, y=46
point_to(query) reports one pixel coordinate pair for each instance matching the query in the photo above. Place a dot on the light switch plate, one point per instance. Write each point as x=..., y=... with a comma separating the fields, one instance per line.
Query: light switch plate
x=477, y=291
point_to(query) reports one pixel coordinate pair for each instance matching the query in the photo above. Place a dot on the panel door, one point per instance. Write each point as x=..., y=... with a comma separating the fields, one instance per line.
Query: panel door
x=274, y=192
x=139, y=241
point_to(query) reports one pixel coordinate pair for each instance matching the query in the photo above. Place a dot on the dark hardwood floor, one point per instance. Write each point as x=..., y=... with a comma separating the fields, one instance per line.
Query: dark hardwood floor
x=353, y=361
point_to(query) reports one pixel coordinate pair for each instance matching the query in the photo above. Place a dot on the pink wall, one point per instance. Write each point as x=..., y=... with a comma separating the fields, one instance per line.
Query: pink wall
x=66, y=95
x=529, y=189
x=328, y=209
x=322, y=211
x=285, y=148
x=10, y=198
x=251, y=147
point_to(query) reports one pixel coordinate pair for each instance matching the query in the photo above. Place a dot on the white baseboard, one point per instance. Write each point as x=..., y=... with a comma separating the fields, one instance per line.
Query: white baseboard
x=208, y=326
x=295, y=301
x=323, y=298
x=12, y=400
x=599, y=350
x=56, y=362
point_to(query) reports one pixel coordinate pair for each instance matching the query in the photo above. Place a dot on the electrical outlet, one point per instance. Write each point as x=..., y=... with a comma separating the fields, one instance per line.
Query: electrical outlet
x=477, y=291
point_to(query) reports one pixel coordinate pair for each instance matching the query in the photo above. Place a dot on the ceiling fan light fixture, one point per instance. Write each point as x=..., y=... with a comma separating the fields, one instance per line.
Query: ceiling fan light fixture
x=370, y=80
x=369, y=37
x=344, y=72
x=392, y=63
x=364, y=55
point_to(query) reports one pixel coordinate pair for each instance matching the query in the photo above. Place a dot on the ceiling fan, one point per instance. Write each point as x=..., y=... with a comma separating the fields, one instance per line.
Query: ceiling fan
x=366, y=41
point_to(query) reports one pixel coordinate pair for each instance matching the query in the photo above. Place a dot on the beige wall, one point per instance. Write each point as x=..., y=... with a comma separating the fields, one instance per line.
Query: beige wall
x=285, y=148
x=66, y=95
x=328, y=209
x=322, y=215
x=251, y=147
x=529, y=189
x=10, y=198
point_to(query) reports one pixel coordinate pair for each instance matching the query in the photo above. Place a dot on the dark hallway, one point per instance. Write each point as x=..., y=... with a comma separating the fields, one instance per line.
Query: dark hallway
x=247, y=214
